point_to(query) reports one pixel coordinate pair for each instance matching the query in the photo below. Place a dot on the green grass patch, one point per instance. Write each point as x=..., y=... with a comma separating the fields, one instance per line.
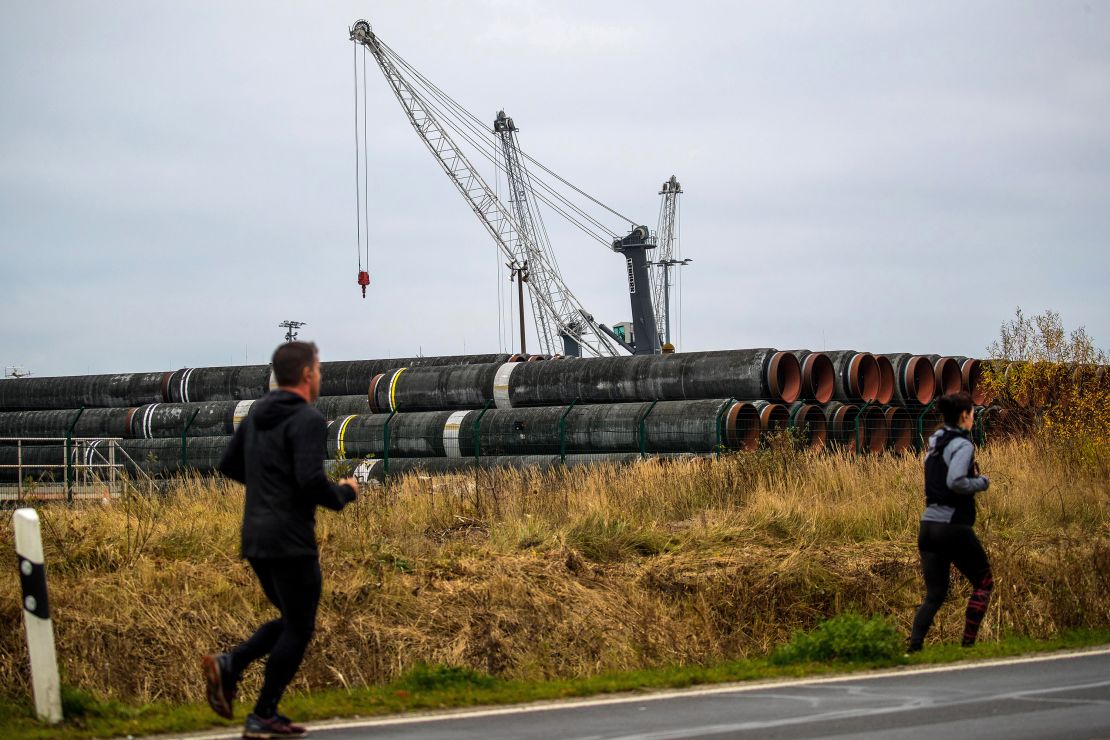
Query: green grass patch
x=848, y=638
x=841, y=645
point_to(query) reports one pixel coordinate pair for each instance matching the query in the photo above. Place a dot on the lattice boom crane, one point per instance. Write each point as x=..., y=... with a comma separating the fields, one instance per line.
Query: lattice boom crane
x=562, y=322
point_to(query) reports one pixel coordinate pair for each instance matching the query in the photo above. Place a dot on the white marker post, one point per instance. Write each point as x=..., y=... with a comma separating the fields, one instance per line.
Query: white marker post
x=36, y=616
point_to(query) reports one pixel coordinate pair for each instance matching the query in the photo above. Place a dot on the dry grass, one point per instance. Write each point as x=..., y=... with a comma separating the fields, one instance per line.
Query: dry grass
x=561, y=575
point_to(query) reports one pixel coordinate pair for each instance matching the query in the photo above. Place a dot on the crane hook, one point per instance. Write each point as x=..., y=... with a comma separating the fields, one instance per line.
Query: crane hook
x=363, y=280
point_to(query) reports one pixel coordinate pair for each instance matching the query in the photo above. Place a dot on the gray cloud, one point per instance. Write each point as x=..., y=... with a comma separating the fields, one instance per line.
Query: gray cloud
x=175, y=182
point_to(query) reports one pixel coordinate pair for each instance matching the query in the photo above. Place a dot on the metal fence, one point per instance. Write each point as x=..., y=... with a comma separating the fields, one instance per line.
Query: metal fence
x=66, y=468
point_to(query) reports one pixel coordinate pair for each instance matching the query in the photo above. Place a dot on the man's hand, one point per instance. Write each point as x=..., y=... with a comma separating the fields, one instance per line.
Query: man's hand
x=352, y=482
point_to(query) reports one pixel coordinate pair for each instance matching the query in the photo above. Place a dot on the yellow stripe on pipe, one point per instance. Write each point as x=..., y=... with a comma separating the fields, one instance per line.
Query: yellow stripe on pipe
x=393, y=389
x=342, y=451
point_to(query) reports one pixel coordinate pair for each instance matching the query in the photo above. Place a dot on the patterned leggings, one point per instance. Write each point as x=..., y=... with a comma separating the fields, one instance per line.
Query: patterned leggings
x=941, y=546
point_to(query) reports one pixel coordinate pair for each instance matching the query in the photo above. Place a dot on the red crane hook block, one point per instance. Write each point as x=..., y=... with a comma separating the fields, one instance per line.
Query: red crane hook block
x=363, y=280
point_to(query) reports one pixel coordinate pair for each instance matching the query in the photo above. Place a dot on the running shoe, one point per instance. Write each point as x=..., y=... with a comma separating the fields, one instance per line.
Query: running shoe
x=219, y=683
x=278, y=726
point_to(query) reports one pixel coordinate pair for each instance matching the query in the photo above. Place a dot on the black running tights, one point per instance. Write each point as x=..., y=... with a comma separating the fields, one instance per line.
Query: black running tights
x=941, y=546
x=293, y=586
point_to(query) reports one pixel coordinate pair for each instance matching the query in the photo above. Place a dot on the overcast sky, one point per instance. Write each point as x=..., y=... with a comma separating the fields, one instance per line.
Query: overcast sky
x=176, y=179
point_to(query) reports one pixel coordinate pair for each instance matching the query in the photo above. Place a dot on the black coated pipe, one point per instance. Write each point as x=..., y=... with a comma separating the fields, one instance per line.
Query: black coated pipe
x=818, y=375
x=808, y=421
x=949, y=378
x=156, y=420
x=689, y=376
x=664, y=426
x=857, y=375
x=74, y=391
x=751, y=373
x=334, y=407
x=433, y=388
x=113, y=422
x=842, y=419
x=773, y=417
x=352, y=377
x=668, y=426
x=914, y=378
x=210, y=419
x=419, y=434
x=971, y=373
x=234, y=383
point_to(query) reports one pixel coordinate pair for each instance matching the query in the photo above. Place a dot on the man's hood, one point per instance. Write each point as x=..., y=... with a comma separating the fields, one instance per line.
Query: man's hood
x=274, y=408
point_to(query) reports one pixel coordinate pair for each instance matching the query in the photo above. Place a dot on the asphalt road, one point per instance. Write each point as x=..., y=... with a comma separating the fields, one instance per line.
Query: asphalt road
x=1043, y=697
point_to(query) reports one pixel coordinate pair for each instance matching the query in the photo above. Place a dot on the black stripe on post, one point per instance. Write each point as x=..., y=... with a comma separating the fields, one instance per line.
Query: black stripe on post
x=32, y=578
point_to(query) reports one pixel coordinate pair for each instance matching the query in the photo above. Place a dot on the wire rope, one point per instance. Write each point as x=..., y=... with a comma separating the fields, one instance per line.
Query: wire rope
x=358, y=191
x=482, y=147
x=365, y=161
x=471, y=121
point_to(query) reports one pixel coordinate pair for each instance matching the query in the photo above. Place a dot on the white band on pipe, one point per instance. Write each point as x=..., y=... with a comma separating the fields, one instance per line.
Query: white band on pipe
x=148, y=422
x=241, y=410
x=451, y=433
x=185, y=385
x=501, y=385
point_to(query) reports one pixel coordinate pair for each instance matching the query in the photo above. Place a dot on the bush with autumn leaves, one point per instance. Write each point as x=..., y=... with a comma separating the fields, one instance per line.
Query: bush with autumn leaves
x=1049, y=381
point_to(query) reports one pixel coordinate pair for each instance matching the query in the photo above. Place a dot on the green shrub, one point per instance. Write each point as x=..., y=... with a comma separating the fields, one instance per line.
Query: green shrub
x=424, y=677
x=849, y=638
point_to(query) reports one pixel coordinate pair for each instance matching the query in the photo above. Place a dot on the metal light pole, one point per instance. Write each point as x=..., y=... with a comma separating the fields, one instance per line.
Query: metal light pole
x=519, y=272
x=291, y=329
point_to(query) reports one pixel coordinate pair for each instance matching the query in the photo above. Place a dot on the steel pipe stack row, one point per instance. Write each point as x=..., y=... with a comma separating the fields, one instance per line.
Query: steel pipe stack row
x=202, y=384
x=648, y=427
x=154, y=420
x=510, y=406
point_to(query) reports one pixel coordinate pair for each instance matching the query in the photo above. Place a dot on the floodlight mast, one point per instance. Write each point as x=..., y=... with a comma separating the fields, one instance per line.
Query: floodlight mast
x=666, y=238
x=560, y=317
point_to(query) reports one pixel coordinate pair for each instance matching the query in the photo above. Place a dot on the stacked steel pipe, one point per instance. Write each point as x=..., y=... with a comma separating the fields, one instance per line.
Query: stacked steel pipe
x=511, y=407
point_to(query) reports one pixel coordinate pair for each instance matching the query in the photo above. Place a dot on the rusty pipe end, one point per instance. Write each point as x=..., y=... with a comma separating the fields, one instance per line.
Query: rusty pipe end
x=818, y=377
x=949, y=378
x=815, y=430
x=919, y=379
x=971, y=373
x=784, y=377
x=742, y=427
x=873, y=429
x=372, y=393
x=773, y=417
x=863, y=376
x=166, y=386
x=886, y=379
x=899, y=429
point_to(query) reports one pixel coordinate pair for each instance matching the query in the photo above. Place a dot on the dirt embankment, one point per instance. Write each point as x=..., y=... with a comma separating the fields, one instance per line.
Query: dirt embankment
x=529, y=576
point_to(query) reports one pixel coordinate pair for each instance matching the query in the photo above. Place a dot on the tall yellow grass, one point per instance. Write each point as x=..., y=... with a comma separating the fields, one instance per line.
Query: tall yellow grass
x=531, y=575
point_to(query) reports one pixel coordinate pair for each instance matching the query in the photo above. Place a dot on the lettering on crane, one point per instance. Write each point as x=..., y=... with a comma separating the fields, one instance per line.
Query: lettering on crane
x=631, y=277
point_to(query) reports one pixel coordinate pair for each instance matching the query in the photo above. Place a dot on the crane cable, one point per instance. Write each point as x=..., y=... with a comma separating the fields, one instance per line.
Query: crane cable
x=365, y=163
x=362, y=190
x=475, y=136
x=358, y=191
x=475, y=122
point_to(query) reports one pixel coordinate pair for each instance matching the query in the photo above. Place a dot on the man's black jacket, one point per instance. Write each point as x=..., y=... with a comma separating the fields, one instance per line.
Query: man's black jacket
x=278, y=452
